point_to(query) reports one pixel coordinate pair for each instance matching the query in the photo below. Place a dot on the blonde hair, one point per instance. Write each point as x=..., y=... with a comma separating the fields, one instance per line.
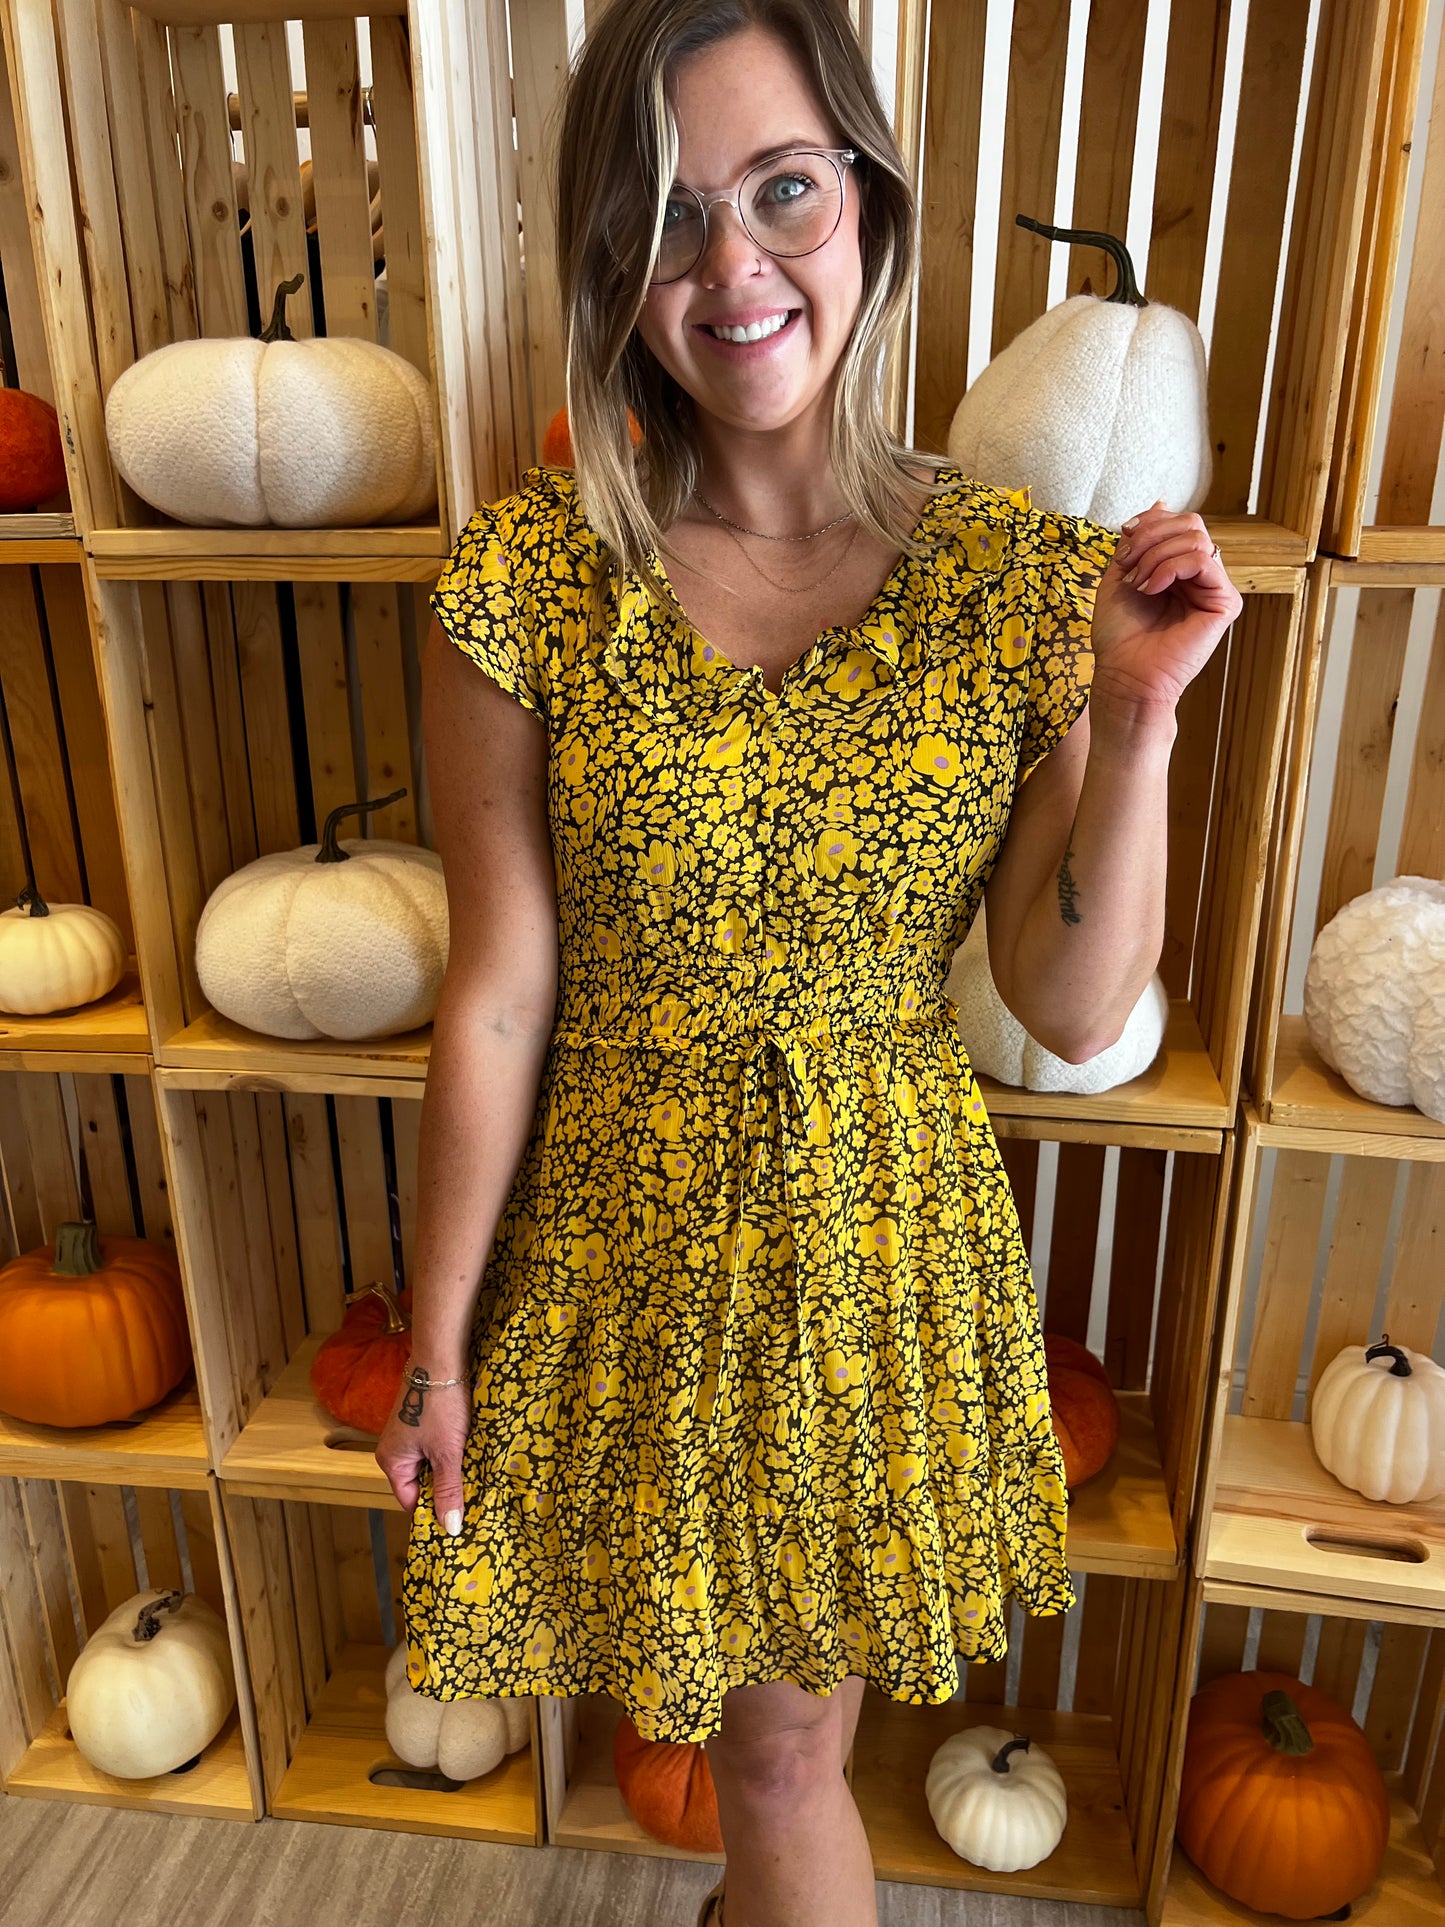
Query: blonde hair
x=616, y=161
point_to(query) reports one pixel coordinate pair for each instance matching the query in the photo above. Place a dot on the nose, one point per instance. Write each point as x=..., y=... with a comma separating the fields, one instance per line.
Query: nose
x=729, y=252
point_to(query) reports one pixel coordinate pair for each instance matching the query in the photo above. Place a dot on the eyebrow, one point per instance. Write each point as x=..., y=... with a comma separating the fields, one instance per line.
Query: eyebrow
x=767, y=154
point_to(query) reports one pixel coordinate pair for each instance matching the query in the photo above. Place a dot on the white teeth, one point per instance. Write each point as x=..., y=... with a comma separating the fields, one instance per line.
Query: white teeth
x=755, y=330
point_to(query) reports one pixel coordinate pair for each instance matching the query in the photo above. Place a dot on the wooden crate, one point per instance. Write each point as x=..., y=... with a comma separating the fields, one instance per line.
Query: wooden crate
x=320, y=1588
x=1347, y=1251
x=56, y=796
x=1381, y=501
x=45, y=1180
x=1389, y=1671
x=1367, y=629
x=68, y=1558
x=46, y=533
x=134, y=99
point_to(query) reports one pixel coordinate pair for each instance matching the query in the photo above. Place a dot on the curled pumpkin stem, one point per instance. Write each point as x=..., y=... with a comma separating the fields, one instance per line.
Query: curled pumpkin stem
x=1126, y=288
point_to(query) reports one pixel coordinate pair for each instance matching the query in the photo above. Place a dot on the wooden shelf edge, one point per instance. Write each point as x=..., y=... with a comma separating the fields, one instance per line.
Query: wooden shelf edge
x=113, y=1027
x=53, y=1768
x=166, y=1449
x=179, y=554
x=1305, y=1094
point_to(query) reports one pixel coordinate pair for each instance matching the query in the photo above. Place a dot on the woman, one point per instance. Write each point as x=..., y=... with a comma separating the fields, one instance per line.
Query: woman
x=750, y=1406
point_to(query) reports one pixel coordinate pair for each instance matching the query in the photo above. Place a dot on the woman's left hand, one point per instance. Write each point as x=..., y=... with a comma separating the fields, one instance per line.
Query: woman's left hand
x=1152, y=636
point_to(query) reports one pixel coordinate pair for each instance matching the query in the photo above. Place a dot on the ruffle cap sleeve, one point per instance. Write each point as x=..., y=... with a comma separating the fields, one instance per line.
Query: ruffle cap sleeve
x=1059, y=560
x=478, y=603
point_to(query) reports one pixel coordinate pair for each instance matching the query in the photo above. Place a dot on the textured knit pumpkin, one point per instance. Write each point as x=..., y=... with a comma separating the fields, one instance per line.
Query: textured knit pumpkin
x=1084, y=1409
x=1100, y=406
x=1281, y=1803
x=1374, y=1000
x=461, y=1738
x=335, y=939
x=999, y=1046
x=152, y=1687
x=668, y=1788
x=92, y=1328
x=1378, y=1422
x=32, y=461
x=356, y=1373
x=996, y=1798
x=56, y=956
x=270, y=431
x=557, y=442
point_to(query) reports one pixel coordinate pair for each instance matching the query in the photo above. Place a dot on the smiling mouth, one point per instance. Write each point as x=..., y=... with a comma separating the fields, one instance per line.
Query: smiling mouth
x=755, y=331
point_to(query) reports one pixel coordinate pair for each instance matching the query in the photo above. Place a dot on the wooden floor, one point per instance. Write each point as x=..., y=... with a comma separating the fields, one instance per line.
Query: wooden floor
x=67, y=1865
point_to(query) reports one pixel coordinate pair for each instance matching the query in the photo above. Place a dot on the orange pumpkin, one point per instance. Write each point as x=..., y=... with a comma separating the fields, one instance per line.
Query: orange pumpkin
x=1085, y=1410
x=557, y=442
x=356, y=1374
x=92, y=1329
x=1281, y=1803
x=668, y=1788
x=32, y=462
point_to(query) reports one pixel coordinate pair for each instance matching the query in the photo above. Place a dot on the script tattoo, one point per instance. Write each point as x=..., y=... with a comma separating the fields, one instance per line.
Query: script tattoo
x=1068, y=890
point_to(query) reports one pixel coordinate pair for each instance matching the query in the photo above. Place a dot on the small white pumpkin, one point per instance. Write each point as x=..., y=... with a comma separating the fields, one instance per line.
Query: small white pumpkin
x=999, y=1046
x=336, y=939
x=996, y=1798
x=1101, y=405
x=461, y=1738
x=152, y=1687
x=1374, y=999
x=1378, y=1422
x=273, y=432
x=55, y=956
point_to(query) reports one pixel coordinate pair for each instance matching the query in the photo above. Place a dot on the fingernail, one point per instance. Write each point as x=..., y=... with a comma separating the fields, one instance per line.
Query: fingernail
x=1131, y=575
x=1133, y=519
x=453, y=1523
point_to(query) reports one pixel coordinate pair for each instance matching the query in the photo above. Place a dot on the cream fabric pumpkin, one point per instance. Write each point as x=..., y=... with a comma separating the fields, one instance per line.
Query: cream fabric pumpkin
x=1378, y=1422
x=336, y=939
x=271, y=431
x=54, y=956
x=1101, y=405
x=999, y=1046
x=152, y=1687
x=461, y=1738
x=1375, y=994
x=996, y=1798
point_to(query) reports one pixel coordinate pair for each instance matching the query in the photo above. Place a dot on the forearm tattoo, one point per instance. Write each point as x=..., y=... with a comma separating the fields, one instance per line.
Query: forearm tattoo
x=1068, y=889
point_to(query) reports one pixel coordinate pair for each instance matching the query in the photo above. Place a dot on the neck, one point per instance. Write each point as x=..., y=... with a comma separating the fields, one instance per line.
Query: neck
x=779, y=480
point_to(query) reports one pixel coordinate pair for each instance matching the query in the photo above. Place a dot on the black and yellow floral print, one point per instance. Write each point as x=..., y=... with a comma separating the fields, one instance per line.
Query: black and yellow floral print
x=758, y=1384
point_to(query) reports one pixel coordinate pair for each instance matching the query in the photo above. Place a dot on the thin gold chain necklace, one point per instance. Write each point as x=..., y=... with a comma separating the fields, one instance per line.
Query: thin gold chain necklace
x=785, y=588
x=811, y=536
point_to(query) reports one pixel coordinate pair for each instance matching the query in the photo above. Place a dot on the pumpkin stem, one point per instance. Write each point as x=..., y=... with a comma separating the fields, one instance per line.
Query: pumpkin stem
x=331, y=851
x=396, y=1318
x=1284, y=1725
x=276, y=329
x=148, y=1623
x=1126, y=289
x=1000, y=1761
x=1401, y=1366
x=77, y=1250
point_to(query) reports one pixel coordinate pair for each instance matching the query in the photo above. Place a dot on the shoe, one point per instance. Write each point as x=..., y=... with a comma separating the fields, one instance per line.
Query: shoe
x=710, y=1914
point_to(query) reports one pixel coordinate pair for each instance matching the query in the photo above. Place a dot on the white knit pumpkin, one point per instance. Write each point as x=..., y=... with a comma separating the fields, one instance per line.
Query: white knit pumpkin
x=293, y=946
x=152, y=1687
x=1378, y=1422
x=999, y=1046
x=1374, y=999
x=996, y=1798
x=1100, y=406
x=55, y=956
x=327, y=433
x=461, y=1738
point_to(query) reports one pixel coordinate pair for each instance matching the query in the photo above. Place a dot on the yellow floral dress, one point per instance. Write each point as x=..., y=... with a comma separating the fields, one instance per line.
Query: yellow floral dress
x=758, y=1385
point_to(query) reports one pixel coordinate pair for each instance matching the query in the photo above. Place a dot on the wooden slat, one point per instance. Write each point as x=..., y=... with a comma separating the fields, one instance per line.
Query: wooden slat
x=124, y=127
x=39, y=759
x=1074, y=1237
x=46, y=1528
x=1282, y=1643
x=322, y=654
x=351, y=1537
x=210, y=187
x=909, y=87
x=268, y=139
x=265, y=1287
x=268, y=730
x=1296, y=1207
x=1357, y=1249
x=1108, y=120
x=1422, y=834
x=22, y=292
x=406, y=1135
x=191, y=664
x=363, y=1178
x=281, y=1218
x=949, y=189
x=394, y=118
x=317, y=1211
x=230, y=726
x=305, y=1598
x=1191, y=804
x=21, y=1199
x=158, y=1537
x=376, y=626
x=1133, y=1260
x=52, y=1161
x=1362, y=762
x=1394, y=1693
x=95, y=181
x=167, y=756
x=1098, y=1654
x=1188, y=142
x=22, y=1628
x=539, y=66
x=226, y=1251
x=149, y=1159
x=338, y=158
x=104, y=1154
x=1337, y=1658
x=87, y=751
x=1042, y=1657
x=1222, y=1647
x=164, y=146
x=1412, y=1306
x=1037, y=57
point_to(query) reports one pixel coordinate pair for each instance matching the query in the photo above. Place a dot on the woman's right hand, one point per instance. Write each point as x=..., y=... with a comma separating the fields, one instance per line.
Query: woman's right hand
x=431, y=1427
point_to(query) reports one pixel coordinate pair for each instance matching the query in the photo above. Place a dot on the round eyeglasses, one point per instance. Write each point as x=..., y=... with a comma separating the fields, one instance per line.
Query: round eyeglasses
x=790, y=204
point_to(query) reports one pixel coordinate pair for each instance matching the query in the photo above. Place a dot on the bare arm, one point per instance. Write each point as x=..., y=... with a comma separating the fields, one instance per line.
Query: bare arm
x=487, y=770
